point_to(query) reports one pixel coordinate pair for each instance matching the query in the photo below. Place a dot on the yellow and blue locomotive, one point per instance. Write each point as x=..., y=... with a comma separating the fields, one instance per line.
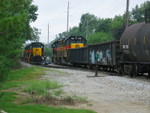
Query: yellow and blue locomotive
x=61, y=48
x=33, y=52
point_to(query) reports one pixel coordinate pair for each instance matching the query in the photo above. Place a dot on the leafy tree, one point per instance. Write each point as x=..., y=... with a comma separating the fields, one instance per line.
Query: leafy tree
x=48, y=50
x=104, y=25
x=87, y=25
x=138, y=12
x=99, y=37
x=118, y=26
x=74, y=31
x=15, y=29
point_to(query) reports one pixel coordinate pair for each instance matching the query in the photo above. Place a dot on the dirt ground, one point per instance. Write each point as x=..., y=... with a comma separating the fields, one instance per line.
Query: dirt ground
x=105, y=94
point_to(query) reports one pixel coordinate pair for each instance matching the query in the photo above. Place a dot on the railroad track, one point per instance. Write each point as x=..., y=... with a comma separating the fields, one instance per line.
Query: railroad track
x=146, y=77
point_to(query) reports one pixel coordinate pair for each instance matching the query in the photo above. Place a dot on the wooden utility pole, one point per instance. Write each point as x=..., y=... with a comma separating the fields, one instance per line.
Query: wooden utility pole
x=68, y=17
x=87, y=27
x=127, y=14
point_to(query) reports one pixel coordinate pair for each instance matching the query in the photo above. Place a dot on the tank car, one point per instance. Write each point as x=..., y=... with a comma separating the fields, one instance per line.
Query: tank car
x=135, y=44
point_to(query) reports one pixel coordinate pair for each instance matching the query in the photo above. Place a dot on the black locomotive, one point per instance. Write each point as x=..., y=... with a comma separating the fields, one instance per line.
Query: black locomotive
x=33, y=53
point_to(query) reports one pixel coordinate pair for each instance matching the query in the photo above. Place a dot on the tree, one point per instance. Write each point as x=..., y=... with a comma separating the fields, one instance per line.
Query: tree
x=74, y=31
x=15, y=29
x=138, y=12
x=87, y=25
x=99, y=37
x=104, y=25
x=118, y=26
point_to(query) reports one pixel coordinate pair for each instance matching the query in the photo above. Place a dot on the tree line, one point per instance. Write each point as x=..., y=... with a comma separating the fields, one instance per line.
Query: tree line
x=97, y=30
x=15, y=29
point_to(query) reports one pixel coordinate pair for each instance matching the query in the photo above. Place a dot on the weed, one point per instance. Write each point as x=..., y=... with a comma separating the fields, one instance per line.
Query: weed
x=40, y=87
x=58, y=92
x=77, y=98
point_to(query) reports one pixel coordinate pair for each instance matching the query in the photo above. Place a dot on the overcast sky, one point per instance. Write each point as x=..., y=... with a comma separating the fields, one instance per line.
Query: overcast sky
x=54, y=12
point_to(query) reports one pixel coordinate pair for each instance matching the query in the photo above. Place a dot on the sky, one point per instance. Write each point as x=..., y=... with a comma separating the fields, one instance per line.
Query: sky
x=54, y=13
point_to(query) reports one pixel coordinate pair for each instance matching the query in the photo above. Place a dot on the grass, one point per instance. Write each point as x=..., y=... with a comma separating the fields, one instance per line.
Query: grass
x=41, y=87
x=18, y=77
x=58, y=92
x=28, y=79
x=7, y=105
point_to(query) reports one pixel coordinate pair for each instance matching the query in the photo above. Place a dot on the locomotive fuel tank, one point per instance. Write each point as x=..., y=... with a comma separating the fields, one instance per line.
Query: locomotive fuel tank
x=135, y=43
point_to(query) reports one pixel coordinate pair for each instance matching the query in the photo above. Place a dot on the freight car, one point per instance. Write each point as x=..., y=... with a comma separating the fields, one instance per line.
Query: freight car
x=105, y=55
x=33, y=53
x=135, y=44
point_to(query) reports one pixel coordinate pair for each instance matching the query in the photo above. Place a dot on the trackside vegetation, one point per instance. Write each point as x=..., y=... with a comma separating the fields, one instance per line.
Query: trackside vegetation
x=15, y=29
x=27, y=80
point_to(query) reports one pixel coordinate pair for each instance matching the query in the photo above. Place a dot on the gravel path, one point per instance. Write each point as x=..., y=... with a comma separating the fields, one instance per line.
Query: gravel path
x=106, y=94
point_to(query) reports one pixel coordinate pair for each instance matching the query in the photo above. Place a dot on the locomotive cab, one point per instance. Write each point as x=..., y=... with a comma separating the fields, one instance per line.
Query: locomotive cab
x=74, y=42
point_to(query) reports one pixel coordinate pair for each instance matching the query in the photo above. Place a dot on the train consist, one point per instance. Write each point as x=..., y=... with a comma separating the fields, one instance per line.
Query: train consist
x=33, y=53
x=130, y=54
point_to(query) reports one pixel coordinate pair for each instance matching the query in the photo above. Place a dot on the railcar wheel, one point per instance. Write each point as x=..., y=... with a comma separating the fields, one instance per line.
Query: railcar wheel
x=120, y=70
x=136, y=70
x=131, y=71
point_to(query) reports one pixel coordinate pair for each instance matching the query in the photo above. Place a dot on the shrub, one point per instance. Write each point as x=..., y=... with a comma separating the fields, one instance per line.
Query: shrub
x=5, y=66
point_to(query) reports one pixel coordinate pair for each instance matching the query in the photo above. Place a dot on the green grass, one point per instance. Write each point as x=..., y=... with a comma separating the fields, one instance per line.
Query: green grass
x=41, y=87
x=8, y=106
x=28, y=80
x=18, y=77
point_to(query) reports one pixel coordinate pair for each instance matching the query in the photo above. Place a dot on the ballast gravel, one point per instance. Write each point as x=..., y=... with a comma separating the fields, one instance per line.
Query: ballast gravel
x=106, y=93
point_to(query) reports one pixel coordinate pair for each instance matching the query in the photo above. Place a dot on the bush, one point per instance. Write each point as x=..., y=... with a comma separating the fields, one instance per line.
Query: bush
x=5, y=66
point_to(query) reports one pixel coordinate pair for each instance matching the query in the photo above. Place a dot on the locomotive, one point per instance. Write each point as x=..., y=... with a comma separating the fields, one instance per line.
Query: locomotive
x=61, y=48
x=33, y=53
x=129, y=55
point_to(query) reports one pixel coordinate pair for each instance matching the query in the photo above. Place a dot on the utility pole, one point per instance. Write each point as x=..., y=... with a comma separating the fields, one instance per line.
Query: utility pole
x=87, y=27
x=68, y=17
x=48, y=35
x=127, y=14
